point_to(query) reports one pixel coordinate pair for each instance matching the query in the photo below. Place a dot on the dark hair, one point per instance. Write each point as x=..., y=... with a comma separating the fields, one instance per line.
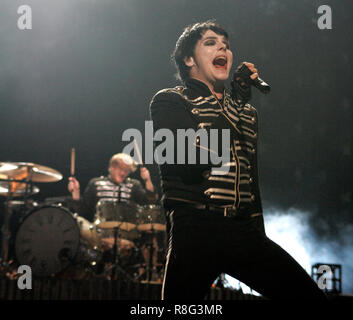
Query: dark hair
x=185, y=46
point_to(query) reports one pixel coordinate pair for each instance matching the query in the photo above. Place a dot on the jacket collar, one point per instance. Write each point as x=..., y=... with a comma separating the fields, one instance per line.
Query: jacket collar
x=200, y=87
x=109, y=177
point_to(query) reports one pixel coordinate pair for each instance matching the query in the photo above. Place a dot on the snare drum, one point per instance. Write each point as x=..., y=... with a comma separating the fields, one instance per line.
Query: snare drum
x=51, y=238
x=152, y=218
x=114, y=214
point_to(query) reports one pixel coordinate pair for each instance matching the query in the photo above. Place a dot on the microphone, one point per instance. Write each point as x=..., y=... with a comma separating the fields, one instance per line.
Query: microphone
x=243, y=73
x=261, y=85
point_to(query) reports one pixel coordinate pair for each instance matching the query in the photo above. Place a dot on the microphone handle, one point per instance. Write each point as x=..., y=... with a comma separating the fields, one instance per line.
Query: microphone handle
x=261, y=85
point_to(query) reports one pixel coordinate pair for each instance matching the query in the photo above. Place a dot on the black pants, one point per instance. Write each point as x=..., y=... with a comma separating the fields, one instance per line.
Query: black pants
x=203, y=245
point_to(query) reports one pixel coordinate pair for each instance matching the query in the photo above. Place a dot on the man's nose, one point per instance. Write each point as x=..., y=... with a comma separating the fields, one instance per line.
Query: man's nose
x=222, y=46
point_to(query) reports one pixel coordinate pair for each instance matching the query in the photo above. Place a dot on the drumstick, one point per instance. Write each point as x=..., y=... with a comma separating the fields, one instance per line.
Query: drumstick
x=138, y=152
x=72, y=167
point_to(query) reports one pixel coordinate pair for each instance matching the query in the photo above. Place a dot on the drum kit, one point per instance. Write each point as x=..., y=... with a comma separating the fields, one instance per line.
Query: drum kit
x=138, y=231
x=125, y=239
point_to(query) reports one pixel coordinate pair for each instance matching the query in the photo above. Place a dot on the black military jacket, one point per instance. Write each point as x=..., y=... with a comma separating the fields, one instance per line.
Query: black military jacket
x=195, y=107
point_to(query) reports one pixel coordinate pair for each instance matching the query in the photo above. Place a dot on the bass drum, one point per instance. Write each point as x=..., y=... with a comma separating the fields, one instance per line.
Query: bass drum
x=51, y=238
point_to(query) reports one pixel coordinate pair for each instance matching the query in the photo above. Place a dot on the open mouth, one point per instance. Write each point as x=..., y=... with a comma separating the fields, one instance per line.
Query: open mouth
x=220, y=62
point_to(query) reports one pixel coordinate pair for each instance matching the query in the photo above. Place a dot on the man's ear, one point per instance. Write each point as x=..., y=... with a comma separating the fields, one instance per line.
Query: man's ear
x=189, y=61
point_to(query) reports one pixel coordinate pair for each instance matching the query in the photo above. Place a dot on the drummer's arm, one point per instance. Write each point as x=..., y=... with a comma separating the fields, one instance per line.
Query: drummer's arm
x=83, y=205
x=150, y=190
x=143, y=195
x=149, y=185
x=88, y=202
x=146, y=177
x=74, y=188
x=152, y=197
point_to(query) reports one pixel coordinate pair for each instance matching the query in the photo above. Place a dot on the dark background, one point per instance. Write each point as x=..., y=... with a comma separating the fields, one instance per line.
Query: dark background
x=88, y=69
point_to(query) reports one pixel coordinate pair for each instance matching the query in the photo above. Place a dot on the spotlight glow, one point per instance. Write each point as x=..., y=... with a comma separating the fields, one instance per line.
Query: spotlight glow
x=291, y=231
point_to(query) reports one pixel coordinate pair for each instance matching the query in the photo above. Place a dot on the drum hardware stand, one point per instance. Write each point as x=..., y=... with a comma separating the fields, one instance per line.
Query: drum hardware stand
x=28, y=193
x=6, y=233
x=5, y=230
x=149, y=267
x=115, y=252
x=115, y=267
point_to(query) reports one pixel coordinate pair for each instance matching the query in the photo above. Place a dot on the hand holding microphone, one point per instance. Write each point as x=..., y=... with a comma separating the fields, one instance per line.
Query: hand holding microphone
x=245, y=76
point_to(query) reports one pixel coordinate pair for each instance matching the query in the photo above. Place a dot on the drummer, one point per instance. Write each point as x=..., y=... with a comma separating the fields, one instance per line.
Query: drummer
x=116, y=186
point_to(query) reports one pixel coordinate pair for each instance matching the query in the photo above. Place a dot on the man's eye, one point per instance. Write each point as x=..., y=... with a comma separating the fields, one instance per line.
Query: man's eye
x=210, y=43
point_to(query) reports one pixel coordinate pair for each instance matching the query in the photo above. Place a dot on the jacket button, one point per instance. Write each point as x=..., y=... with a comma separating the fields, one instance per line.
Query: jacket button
x=253, y=119
x=195, y=111
x=249, y=167
x=250, y=180
x=252, y=197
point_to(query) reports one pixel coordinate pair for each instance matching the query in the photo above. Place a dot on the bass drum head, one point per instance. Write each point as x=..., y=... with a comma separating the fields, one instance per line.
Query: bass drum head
x=48, y=240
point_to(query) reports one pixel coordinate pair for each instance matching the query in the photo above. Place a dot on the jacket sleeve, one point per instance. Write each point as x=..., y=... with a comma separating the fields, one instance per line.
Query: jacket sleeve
x=86, y=205
x=168, y=111
x=168, y=115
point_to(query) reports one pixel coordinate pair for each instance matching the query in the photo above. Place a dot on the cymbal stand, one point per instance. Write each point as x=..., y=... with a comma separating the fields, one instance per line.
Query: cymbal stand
x=28, y=192
x=116, y=267
x=5, y=230
x=115, y=252
x=149, y=267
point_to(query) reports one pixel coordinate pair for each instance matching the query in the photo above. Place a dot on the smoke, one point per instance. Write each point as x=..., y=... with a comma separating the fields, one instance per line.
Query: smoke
x=291, y=230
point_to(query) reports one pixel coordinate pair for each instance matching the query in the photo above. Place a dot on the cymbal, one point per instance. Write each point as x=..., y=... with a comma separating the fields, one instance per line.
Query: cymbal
x=28, y=171
x=19, y=190
x=7, y=168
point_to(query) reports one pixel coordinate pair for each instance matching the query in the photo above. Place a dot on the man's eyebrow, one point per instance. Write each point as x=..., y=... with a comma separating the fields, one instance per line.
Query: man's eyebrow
x=215, y=38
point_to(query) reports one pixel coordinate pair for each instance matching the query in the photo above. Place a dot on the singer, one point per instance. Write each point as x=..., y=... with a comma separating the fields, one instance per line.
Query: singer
x=215, y=220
